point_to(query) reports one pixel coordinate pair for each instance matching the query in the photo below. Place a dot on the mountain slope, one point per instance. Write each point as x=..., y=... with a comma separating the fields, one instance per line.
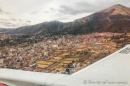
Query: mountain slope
x=42, y=28
x=4, y=30
x=113, y=19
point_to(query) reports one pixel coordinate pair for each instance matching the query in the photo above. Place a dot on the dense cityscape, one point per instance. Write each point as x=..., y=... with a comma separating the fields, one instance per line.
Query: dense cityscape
x=62, y=54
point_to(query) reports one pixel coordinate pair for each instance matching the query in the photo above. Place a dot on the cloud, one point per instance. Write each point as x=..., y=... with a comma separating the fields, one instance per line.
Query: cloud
x=35, y=12
x=6, y=24
x=51, y=10
x=62, y=18
x=8, y=13
x=13, y=19
x=67, y=10
x=77, y=8
x=28, y=21
x=20, y=20
x=85, y=6
x=1, y=11
x=46, y=12
x=12, y=23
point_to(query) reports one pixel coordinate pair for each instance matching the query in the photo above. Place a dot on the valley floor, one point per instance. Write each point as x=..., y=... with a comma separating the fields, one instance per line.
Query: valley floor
x=59, y=54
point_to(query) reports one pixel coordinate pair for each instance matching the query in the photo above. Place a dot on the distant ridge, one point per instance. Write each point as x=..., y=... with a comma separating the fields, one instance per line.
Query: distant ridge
x=113, y=19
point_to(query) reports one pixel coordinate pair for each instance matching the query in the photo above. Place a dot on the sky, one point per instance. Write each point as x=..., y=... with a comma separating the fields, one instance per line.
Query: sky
x=16, y=13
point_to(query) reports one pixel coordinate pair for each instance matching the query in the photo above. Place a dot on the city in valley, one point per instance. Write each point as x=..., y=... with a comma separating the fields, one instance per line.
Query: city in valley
x=62, y=54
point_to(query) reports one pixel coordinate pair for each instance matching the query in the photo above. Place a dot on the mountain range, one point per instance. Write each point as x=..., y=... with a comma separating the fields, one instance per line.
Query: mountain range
x=113, y=19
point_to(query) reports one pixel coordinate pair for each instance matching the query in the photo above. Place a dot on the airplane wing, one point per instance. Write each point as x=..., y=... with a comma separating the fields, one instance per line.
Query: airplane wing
x=113, y=70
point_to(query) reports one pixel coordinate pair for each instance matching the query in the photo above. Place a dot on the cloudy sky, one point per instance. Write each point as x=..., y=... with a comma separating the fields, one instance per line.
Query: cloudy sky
x=15, y=13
